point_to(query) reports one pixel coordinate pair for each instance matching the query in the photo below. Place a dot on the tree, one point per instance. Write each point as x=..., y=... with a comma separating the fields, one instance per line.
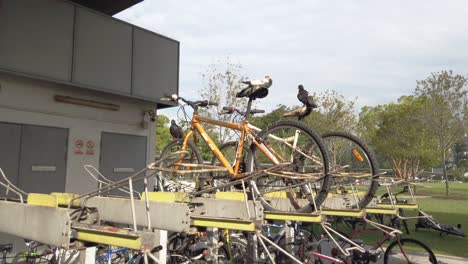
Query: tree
x=446, y=110
x=460, y=154
x=269, y=118
x=221, y=83
x=163, y=136
x=398, y=133
x=334, y=113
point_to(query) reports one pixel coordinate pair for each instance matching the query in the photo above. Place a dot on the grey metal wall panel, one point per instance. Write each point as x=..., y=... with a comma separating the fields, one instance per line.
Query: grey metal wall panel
x=155, y=65
x=103, y=52
x=43, y=159
x=36, y=37
x=10, y=139
x=121, y=154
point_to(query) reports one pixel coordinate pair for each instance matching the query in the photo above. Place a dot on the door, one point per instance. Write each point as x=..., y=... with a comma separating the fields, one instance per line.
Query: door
x=121, y=156
x=10, y=140
x=43, y=159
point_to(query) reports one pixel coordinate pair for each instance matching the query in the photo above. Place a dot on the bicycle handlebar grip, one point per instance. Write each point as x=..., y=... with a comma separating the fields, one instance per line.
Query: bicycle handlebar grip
x=157, y=249
x=212, y=103
x=204, y=103
x=257, y=111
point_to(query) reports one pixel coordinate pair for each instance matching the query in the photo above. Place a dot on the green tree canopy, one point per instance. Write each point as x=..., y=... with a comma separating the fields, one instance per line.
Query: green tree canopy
x=446, y=112
x=163, y=136
x=398, y=133
x=334, y=113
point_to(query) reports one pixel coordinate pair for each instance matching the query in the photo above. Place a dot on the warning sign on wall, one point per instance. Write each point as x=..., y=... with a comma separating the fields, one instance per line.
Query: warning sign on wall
x=79, y=144
x=90, y=147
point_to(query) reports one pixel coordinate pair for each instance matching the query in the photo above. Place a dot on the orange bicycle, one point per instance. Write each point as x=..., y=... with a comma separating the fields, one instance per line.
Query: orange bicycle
x=295, y=148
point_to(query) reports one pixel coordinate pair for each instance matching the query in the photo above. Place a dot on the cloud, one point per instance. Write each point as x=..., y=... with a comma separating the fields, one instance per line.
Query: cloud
x=373, y=50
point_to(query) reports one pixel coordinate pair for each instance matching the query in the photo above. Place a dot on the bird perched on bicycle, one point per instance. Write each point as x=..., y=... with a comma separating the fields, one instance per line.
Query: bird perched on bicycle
x=175, y=130
x=256, y=86
x=307, y=101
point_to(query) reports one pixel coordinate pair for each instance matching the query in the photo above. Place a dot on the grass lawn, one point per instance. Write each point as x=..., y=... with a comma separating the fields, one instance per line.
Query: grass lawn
x=450, y=210
x=446, y=211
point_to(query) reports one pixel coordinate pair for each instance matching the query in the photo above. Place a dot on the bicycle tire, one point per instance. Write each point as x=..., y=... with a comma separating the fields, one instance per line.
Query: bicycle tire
x=299, y=248
x=229, y=150
x=194, y=156
x=394, y=253
x=237, y=249
x=23, y=257
x=312, y=145
x=364, y=152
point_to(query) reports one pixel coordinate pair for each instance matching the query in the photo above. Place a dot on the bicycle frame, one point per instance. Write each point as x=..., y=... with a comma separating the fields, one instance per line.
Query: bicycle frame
x=245, y=133
x=388, y=232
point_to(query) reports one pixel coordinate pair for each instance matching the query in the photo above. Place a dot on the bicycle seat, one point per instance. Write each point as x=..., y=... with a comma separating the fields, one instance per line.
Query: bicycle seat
x=296, y=112
x=253, y=92
x=6, y=247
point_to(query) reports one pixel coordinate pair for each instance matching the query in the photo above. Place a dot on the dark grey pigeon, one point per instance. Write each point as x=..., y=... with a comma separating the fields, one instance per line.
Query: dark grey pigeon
x=176, y=131
x=302, y=95
x=307, y=112
x=305, y=98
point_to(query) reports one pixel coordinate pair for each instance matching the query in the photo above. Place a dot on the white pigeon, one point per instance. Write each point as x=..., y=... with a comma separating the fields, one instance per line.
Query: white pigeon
x=263, y=83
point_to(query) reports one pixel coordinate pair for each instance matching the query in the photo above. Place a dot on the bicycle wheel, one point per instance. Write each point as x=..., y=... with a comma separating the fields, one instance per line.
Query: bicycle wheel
x=351, y=162
x=166, y=181
x=26, y=258
x=235, y=249
x=304, y=182
x=116, y=255
x=302, y=246
x=407, y=250
x=229, y=150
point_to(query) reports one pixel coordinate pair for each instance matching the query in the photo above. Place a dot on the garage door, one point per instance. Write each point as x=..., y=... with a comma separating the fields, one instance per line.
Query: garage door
x=10, y=140
x=43, y=159
x=121, y=156
x=34, y=157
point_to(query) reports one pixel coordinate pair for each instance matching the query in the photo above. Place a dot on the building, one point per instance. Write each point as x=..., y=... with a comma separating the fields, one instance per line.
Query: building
x=78, y=87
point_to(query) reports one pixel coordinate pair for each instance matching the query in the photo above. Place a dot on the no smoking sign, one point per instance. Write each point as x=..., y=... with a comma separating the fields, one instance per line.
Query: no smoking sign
x=80, y=145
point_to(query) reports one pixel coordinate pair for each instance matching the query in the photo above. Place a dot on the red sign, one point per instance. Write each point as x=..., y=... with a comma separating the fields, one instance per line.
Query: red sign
x=79, y=145
x=90, y=147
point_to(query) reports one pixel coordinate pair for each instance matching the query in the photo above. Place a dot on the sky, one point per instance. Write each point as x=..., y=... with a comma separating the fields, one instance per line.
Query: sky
x=372, y=50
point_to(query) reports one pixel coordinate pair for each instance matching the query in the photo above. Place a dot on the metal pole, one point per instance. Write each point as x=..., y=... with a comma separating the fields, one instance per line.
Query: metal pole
x=264, y=247
x=130, y=185
x=355, y=195
x=246, y=200
x=148, y=217
x=279, y=248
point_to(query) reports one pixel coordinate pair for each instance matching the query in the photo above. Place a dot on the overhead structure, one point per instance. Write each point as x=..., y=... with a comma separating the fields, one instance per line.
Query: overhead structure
x=108, y=7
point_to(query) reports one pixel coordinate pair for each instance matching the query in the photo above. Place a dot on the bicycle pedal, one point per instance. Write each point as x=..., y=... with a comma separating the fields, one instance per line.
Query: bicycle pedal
x=375, y=254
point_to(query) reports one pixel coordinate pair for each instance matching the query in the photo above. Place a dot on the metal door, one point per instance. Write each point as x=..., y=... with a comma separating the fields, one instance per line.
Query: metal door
x=121, y=156
x=43, y=159
x=10, y=140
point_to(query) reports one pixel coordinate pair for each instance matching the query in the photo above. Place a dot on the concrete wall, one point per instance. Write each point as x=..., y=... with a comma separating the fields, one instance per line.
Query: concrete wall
x=62, y=42
x=28, y=101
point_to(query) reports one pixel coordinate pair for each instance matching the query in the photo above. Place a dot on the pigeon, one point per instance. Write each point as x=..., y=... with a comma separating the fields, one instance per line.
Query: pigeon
x=264, y=83
x=176, y=131
x=307, y=112
x=256, y=86
x=305, y=98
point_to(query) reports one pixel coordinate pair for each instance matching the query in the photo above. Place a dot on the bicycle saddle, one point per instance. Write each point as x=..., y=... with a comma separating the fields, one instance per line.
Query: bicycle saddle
x=6, y=247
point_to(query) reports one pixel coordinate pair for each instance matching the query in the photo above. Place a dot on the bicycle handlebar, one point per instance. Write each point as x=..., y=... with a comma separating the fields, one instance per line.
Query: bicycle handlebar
x=233, y=109
x=193, y=104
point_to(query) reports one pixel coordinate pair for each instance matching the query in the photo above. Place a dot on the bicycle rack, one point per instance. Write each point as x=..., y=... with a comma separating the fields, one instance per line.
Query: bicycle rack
x=56, y=218
x=395, y=206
